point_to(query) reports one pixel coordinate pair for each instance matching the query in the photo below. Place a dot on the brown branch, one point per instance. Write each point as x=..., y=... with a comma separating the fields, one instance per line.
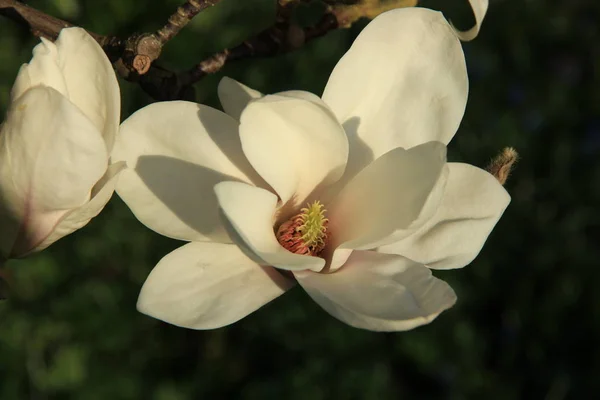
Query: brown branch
x=137, y=53
x=131, y=57
x=47, y=26
x=182, y=17
x=285, y=36
x=281, y=38
x=142, y=50
x=134, y=57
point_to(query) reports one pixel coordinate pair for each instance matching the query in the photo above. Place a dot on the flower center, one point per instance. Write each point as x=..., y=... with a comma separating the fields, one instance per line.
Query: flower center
x=306, y=232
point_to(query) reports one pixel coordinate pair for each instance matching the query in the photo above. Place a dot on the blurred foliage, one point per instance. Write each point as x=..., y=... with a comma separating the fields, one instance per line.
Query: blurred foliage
x=528, y=315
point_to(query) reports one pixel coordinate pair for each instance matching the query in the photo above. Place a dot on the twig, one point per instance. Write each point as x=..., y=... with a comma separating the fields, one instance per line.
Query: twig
x=280, y=38
x=181, y=17
x=142, y=50
x=47, y=26
x=284, y=36
x=131, y=57
x=134, y=57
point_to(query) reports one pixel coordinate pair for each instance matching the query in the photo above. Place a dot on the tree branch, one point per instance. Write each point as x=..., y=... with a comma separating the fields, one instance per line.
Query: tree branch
x=142, y=50
x=47, y=26
x=285, y=36
x=182, y=17
x=133, y=58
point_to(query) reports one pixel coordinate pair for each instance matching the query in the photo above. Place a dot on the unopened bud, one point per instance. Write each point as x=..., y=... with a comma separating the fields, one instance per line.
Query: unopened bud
x=502, y=164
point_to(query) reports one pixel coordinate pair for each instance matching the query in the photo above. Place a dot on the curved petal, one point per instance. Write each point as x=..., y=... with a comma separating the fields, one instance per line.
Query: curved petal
x=76, y=66
x=296, y=145
x=250, y=212
x=91, y=80
x=207, y=286
x=176, y=152
x=470, y=208
x=479, y=8
x=79, y=217
x=43, y=69
x=50, y=158
x=389, y=199
x=402, y=83
x=379, y=292
x=235, y=96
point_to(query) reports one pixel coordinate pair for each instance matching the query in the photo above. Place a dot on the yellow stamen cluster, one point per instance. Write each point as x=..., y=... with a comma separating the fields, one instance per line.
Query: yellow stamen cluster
x=314, y=225
x=306, y=232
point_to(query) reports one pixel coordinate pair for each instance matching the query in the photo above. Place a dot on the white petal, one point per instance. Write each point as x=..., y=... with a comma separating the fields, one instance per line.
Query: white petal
x=388, y=199
x=379, y=292
x=43, y=69
x=50, y=158
x=207, y=286
x=295, y=144
x=76, y=66
x=235, y=96
x=250, y=212
x=79, y=217
x=479, y=8
x=176, y=152
x=402, y=83
x=91, y=80
x=470, y=208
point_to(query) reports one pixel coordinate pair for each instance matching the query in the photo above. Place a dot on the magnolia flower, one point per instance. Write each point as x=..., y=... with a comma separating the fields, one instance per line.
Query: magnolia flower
x=55, y=143
x=350, y=194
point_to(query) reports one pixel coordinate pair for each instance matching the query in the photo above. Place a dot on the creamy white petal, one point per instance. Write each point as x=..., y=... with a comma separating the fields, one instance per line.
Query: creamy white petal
x=91, y=81
x=51, y=156
x=295, y=144
x=379, y=292
x=251, y=212
x=389, y=199
x=479, y=8
x=470, y=208
x=43, y=69
x=207, y=286
x=76, y=66
x=402, y=83
x=176, y=152
x=79, y=217
x=235, y=96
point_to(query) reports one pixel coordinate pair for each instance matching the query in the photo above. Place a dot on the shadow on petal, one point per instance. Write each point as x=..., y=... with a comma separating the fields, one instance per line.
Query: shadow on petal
x=240, y=242
x=187, y=190
x=230, y=146
x=359, y=156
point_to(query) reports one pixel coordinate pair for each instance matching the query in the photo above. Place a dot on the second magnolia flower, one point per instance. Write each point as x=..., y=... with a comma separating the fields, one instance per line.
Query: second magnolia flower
x=370, y=156
x=55, y=170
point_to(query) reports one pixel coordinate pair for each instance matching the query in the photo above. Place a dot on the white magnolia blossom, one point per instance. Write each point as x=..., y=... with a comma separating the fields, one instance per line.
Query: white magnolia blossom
x=55, y=143
x=350, y=193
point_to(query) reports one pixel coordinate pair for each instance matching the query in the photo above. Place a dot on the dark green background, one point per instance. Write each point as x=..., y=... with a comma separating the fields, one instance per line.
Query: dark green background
x=527, y=322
